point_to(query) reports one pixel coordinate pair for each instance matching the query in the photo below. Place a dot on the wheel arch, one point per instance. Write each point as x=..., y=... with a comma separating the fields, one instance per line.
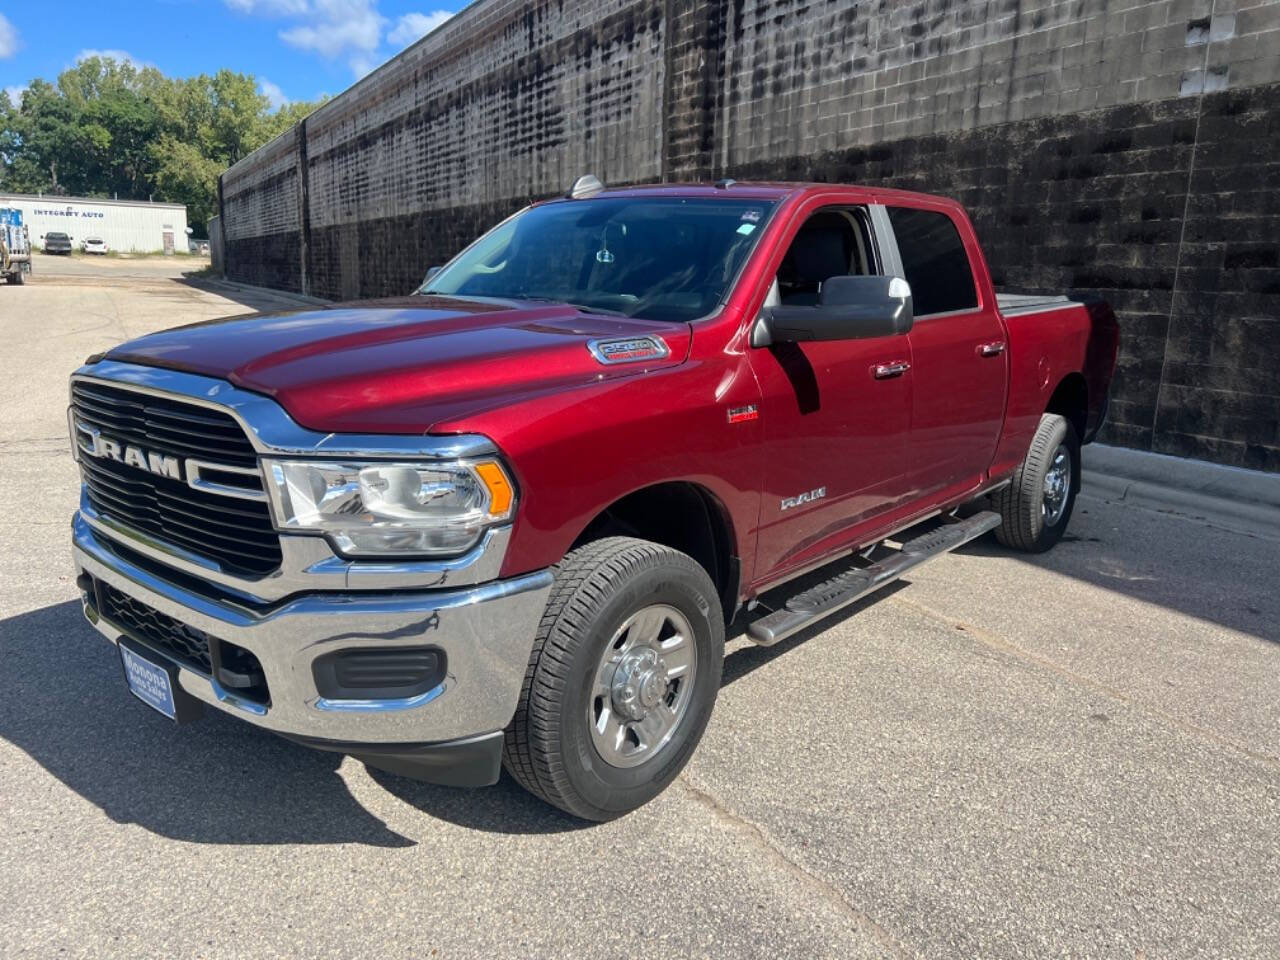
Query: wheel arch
x=1070, y=399
x=685, y=516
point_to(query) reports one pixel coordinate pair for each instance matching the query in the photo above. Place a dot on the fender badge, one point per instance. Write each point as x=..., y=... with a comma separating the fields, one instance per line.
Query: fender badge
x=789, y=503
x=628, y=350
x=743, y=414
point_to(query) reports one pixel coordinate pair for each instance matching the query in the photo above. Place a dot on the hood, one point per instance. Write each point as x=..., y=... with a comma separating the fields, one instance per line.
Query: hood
x=402, y=365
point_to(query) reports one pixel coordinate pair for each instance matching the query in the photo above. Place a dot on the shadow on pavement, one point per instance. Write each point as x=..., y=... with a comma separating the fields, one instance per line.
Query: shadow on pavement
x=746, y=660
x=1183, y=568
x=63, y=702
x=503, y=808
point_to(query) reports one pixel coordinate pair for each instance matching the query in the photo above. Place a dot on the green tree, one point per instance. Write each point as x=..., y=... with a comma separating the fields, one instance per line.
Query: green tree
x=108, y=128
x=183, y=174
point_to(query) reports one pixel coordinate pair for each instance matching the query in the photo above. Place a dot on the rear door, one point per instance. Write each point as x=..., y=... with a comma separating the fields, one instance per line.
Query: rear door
x=958, y=350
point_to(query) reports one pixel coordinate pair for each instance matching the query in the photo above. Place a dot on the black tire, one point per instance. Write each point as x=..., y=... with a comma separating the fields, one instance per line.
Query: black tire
x=17, y=279
x=549, y=747
x=1028, y=523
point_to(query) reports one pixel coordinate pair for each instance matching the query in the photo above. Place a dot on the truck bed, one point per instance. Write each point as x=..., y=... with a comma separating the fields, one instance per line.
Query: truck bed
x=1011, y=304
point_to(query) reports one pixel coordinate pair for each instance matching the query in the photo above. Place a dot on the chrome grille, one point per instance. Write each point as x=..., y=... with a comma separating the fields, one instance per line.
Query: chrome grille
x=163, y=423
x=235, y=532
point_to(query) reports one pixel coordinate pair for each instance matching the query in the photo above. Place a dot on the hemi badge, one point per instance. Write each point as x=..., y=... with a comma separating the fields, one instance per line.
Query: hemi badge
x=628, y=349
x=743, y=414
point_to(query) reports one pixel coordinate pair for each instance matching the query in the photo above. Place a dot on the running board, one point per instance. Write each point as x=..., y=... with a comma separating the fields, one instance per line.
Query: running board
x=854, y=584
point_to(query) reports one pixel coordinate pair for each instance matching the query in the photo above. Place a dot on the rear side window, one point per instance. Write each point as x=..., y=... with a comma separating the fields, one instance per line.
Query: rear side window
x=934, y=261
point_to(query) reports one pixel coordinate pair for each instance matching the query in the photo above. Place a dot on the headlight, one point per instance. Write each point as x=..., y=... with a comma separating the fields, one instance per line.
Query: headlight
x=392, y=509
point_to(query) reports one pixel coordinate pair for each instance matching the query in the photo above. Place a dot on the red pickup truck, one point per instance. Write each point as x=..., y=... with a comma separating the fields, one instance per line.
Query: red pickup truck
x=505, y=520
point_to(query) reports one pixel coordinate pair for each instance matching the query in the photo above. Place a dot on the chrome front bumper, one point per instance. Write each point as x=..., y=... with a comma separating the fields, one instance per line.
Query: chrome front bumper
x=486, y=632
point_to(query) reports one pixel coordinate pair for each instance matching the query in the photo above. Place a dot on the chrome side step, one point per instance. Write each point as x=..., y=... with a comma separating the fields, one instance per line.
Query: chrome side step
x=855, y=583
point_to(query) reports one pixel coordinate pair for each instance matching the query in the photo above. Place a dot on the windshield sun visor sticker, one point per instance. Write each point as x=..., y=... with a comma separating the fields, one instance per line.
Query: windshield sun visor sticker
x=628, y=349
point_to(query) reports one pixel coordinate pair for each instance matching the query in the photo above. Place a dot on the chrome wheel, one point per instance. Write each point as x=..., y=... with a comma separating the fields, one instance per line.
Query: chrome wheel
x=643, y=686
x=1057, y=485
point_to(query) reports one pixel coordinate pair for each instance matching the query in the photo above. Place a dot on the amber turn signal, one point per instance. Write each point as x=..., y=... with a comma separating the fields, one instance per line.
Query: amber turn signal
x=498, y=485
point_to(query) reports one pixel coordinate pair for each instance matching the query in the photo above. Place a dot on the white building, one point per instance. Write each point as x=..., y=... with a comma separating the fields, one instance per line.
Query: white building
x=126, y=225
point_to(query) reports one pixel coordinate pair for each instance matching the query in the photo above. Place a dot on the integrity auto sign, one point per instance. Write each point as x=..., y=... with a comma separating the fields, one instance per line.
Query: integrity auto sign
x=68, y=212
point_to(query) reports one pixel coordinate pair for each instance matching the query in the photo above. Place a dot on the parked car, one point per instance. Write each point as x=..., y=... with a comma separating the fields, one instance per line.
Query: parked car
x=93, y=245
x=57, y=243
x=505, y=520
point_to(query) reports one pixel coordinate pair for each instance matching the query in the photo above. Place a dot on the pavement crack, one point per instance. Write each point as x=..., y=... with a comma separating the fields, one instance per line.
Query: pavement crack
x=12, y=448
x=1011, y=649
x=772, y=851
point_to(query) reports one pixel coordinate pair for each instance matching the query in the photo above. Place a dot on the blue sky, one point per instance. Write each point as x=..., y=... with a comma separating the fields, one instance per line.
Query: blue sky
x=298, y=49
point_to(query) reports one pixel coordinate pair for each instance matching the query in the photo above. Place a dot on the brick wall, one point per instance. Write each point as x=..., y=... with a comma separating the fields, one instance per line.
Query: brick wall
x=1111, y=146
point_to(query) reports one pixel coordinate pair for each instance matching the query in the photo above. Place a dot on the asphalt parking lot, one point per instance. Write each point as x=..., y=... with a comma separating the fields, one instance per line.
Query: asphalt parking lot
x=1070, y=755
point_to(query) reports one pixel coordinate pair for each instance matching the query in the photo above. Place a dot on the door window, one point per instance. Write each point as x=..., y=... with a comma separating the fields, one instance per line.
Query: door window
x=934, y=261
x=832, y=243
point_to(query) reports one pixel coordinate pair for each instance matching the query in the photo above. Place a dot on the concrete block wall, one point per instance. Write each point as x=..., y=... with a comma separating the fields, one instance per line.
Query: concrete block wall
x=260, y=208
x=1105, y=146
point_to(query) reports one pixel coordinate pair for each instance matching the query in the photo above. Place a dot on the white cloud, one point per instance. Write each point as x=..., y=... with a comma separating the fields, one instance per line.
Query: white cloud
x=351, y=28
x=414, y=26
x=270, y=8
x=119, y=56
x=275, y=96
x=15, y=93
x=8, y=38
x=362, y=65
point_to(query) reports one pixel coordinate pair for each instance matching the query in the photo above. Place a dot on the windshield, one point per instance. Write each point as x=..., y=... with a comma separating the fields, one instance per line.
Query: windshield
x=660, y=258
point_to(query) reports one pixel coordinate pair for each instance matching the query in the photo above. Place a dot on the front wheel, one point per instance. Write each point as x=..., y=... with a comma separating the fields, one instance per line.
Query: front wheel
x=621, y=681
x=1036, y=507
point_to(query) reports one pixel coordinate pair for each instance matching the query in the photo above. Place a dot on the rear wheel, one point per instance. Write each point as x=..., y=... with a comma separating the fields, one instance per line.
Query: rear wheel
x=621, y=681
x=1036, y=507
x=19, y=278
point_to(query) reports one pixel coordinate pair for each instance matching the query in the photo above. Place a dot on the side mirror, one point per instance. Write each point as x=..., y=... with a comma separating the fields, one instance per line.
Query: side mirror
x=848, y=308
x=431, y=272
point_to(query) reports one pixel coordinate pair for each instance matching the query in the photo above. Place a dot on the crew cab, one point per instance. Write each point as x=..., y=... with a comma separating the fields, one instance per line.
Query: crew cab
x=506, y=519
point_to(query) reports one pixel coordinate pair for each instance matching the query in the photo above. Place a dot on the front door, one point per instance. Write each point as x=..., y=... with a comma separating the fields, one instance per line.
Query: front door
x=835, y=420
x=959, y=356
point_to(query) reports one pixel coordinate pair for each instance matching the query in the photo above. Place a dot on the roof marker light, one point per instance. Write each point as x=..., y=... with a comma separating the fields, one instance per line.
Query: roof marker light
x=587, y=185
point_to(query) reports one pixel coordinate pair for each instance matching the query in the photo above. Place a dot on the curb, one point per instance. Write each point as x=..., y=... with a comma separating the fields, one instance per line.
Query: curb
x=216, y=283
x=1244, y=500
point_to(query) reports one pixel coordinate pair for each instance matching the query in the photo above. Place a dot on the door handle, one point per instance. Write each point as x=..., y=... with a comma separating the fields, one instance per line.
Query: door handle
x=887, y=371
x=991, y=349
